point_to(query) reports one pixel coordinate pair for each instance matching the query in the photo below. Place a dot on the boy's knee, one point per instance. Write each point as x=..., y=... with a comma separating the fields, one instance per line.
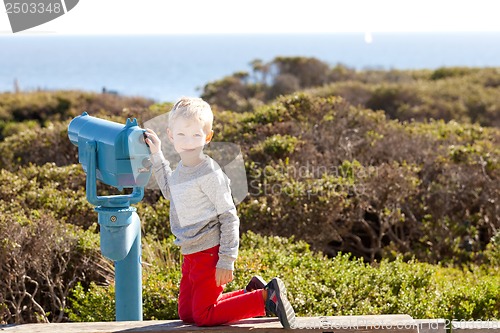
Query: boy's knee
x=186, y=316
x=202, y=320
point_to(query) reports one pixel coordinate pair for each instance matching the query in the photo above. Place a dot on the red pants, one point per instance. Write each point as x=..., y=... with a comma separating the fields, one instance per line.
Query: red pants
x=203, y=303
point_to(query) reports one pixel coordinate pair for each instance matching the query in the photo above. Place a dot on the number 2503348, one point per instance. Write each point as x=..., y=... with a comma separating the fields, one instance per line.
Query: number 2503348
x=32, y=8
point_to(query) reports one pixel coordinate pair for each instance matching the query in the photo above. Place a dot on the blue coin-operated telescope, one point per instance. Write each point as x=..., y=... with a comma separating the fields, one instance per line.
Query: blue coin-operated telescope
x=118, y=156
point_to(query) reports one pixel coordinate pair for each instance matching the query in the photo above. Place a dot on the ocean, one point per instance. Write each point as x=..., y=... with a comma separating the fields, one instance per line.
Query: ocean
x=165, y=67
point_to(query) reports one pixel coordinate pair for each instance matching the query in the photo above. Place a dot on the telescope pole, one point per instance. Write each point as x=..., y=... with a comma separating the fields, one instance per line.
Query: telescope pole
x=121, y=242
x=128, y=282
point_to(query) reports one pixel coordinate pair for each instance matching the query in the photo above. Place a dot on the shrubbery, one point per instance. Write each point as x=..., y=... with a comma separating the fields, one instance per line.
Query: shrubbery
x=49, y=243
x=321, y=168
x=372, y=186
x=42, y=259
x=44, y=106
x=448, y=93
x=318, y=286
x=33, y=126
x=161, y=276
x=58, y=191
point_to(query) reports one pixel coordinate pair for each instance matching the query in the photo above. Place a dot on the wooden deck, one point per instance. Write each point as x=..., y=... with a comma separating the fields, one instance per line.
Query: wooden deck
x=338, y=324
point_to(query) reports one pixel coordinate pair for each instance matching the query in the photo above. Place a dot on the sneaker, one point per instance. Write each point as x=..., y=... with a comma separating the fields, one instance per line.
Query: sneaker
x=255, y=283
x=278, y=304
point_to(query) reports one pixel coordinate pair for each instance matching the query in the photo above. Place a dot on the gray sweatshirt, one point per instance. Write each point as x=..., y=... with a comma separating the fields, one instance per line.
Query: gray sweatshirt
x=202, y=211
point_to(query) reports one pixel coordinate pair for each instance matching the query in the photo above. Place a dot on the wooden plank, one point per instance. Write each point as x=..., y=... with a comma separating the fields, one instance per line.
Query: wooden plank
x=337, y=324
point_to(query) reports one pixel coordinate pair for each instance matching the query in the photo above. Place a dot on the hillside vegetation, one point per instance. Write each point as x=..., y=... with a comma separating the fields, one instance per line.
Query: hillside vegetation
x=450, y=93
x=352, y=176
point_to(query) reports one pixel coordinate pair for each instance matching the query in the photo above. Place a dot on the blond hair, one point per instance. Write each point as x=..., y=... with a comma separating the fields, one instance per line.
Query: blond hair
x=192, y=108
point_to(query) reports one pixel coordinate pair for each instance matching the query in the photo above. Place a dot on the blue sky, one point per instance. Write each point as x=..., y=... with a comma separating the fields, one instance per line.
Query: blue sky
x=269, y=16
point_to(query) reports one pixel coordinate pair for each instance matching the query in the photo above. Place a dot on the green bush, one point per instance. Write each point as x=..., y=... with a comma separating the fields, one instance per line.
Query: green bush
x=95, y=304
x=38, y=146
x=318, y=286
x=493, y=251
x=42, y=260
x=161, y=277
x=393, y=204
x=275, y=147
x=53, y=106
x=448, y=93
x=59, y=191
x=155, y=218
x=8, y=128
x=446, y=72
x=242, y=92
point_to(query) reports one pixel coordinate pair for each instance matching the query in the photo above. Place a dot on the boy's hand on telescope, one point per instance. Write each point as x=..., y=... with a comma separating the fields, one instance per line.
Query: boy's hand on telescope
x=153, y=141
x=223, y=276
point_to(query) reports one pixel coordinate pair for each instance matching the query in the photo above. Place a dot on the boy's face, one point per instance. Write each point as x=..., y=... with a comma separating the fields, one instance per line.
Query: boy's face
x=188, y=136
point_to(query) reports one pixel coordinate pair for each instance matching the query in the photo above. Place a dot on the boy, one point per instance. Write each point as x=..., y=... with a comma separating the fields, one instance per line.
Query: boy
x=204, y=221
